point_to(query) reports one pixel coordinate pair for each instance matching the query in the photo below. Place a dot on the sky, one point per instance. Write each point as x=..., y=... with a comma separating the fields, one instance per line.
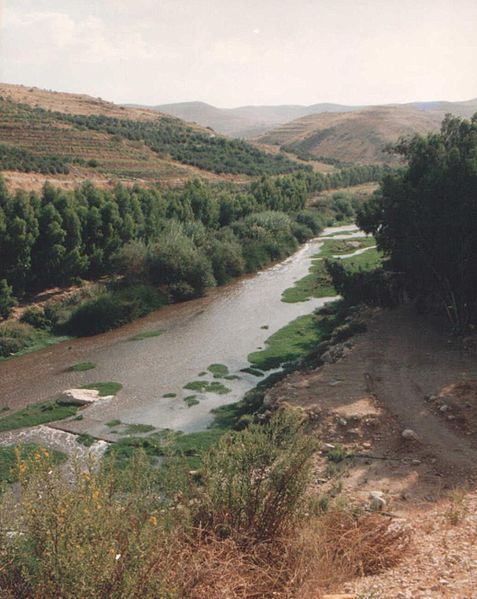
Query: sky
x=239, y=52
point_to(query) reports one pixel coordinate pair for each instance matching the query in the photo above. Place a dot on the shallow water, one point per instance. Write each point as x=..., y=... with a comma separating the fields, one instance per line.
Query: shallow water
x=223, y=327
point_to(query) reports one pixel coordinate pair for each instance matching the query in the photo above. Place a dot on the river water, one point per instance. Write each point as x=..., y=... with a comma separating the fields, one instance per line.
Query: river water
x=223, y=327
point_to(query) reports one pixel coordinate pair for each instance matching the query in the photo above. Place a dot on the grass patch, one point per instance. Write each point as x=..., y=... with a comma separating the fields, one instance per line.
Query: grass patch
x=232, y=377
x=252, y=371
x=206, y=387
x=82, y=366
x=145, y=335
x=203, y=373
x=191, y=400
x=293, y=341
x=85, y=439
x=108, y=388
x=134, y=429
x=265, y=326
x=218, y=370
x=170, y=395
x=368, y=260
x=27, y=452
x=35, y=414
x=113, y=423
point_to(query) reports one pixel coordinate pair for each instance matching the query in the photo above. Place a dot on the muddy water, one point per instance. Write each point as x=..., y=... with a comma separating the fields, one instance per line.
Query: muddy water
x=223, y=327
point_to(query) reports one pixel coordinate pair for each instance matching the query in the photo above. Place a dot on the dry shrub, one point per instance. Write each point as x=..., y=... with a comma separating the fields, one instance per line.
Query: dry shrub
x=345, y=545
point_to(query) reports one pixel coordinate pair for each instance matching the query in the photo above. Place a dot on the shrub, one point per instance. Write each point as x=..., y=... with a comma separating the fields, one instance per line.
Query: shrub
x=255, y=480
x=36, y=317
x=14, y=336
x=99, y=315
x=7, y=301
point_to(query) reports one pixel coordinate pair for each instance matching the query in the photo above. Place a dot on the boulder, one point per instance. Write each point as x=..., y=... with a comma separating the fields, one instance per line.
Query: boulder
x=80, y=397
x=409, y=435
x=376, y=501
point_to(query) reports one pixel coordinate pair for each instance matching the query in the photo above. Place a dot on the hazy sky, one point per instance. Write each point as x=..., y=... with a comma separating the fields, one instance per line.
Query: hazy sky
x=235, y=52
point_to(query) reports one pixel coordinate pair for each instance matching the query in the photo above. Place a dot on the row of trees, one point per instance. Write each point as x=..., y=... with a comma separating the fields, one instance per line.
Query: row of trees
x=425, y=216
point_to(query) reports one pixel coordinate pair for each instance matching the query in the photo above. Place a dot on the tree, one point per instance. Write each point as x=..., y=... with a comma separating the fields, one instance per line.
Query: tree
x=424, y=218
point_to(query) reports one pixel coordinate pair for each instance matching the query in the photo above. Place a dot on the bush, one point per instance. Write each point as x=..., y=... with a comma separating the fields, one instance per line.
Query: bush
x=100, y=315
x=255, y=480
x=36, y=317
x=301, y=232
x=7, y=301
x=14, y=336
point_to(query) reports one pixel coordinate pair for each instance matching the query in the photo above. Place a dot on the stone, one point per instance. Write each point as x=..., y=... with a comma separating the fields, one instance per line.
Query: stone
x=444, y=408
x=409, y=435
x=376, y=501
x=80, y=397
x=343, y=421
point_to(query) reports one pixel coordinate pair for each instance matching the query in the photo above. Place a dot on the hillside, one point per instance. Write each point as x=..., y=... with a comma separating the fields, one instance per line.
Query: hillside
x=244, y=121
x=352, y=137
x=70, y=137
x=251, y=121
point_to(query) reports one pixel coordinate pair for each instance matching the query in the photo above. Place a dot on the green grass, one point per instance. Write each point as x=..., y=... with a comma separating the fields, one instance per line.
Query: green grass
x=85, y=439
x=252, y=371
x=206, y=387
x=134, y=429
x=218, y=370
x=145, y=335
x=166, y=395
x=40, y=339
x=232, y=377
x=265, y=326
x=336, y=233
x=82, y=366
x=191, y=400
x=35, y=414
x=318, y=282
x=368, y=260
x=8, y=459
x=293, y=341
x=108, y=388
x=113, y=423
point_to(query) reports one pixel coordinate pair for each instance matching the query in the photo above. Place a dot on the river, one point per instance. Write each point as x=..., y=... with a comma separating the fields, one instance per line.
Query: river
x=223, y=327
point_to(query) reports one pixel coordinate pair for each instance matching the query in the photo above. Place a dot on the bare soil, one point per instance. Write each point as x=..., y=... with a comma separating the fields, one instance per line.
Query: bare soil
x=397, y=376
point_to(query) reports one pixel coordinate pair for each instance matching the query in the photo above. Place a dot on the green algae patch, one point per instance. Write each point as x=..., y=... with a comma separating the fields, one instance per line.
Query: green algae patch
x=107, y=388
x=82, y=367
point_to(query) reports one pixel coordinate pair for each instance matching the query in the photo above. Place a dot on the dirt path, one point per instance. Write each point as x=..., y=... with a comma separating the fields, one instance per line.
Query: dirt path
x=364, y=401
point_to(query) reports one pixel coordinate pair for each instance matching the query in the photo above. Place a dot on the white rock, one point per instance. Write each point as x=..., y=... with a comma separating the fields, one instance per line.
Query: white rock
x=377, y=501
x=409, y=434
x=80, y=397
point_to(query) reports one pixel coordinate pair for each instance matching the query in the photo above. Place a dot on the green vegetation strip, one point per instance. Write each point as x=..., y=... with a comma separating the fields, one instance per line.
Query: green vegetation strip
x=35, y=414
x=191, y=400
x=206, y=387
x=289, y=343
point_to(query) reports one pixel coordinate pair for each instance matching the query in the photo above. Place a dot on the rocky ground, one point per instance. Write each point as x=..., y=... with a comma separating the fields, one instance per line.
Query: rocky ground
x=399, y=402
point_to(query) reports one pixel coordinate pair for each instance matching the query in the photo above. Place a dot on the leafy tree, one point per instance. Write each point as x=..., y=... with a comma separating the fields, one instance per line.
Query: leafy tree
x=7, y=301
x=425, y=215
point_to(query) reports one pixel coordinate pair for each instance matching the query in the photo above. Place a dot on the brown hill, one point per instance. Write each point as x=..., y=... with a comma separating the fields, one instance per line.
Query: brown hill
x=362, y=135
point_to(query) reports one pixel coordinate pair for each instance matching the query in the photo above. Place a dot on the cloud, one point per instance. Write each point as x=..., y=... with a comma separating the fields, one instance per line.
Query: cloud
x=39, y=37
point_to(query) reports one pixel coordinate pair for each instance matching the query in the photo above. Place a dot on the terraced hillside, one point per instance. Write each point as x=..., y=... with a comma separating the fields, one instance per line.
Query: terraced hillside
x=77, y=137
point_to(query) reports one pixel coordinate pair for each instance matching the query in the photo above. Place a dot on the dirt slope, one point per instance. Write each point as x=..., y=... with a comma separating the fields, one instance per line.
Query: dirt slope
x=396, y=376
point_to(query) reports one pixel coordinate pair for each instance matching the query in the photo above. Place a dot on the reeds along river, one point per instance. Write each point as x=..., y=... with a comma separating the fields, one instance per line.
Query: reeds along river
x=223, y=327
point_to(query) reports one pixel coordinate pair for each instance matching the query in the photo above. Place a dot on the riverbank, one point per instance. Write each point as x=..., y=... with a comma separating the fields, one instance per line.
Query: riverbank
x=160, y=392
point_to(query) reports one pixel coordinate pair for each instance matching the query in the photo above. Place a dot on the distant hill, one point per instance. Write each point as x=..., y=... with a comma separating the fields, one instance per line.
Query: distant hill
x=362, y=135
x=68, y=138
x=250, y=122
x=246, y=121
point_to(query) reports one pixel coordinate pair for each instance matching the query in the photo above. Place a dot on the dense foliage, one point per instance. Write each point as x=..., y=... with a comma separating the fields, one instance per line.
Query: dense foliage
x=425, y=215
x=12, y=158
